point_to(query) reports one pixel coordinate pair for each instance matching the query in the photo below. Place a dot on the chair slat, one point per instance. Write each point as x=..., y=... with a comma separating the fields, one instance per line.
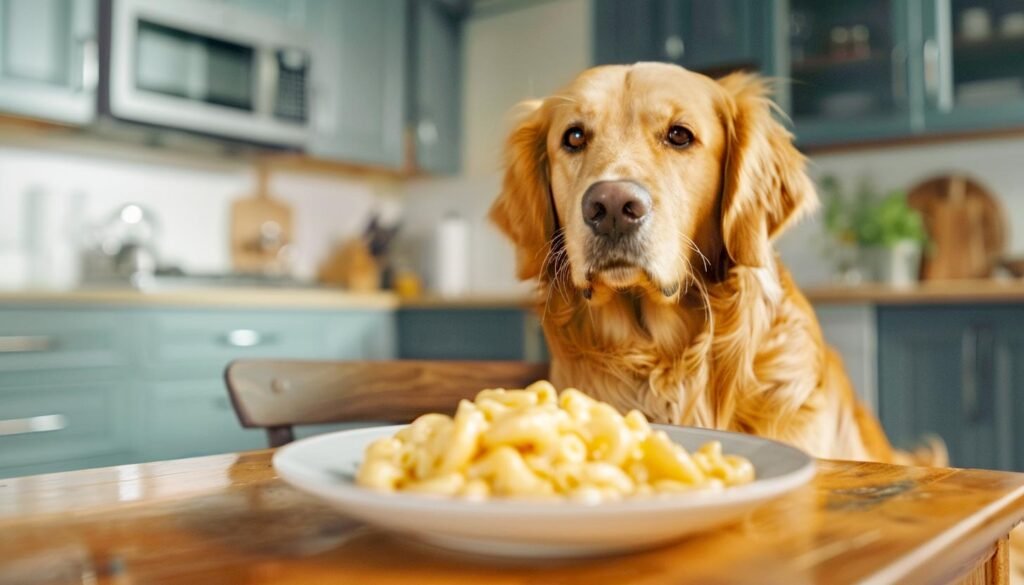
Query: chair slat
x=277, y=394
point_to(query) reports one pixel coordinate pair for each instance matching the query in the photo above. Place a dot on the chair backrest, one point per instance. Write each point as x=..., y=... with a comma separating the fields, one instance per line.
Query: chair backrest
x=277, y=394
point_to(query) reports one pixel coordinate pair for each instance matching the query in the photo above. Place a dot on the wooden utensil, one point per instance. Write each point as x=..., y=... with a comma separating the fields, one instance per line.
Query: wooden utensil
x=966, y=225
x=260, y=227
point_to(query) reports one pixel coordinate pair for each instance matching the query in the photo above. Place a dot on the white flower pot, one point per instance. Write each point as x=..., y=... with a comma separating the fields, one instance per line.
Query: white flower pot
x=898, y=265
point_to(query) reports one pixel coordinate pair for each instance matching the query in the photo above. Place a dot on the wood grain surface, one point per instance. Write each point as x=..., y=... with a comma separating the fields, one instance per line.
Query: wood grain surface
x=925, y=293
x=228, y=519
x=966, y=227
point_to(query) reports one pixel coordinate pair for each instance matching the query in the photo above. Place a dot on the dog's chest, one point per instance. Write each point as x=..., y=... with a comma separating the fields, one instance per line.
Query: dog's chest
x=631, y=359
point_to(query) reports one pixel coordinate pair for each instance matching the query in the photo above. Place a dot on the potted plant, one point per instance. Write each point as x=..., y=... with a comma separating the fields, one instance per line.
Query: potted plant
x=887, y=234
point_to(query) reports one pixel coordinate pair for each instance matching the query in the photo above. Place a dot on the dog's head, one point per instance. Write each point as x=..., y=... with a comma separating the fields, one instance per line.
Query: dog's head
x=651, y=171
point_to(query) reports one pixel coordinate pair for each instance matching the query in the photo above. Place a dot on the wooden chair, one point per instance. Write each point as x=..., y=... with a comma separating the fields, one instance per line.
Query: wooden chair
x=276, y=395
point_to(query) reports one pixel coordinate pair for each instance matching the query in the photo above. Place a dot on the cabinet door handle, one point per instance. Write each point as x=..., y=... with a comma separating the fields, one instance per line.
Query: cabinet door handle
x=246, y=338
x=25, y=343
x=426, y=132
x=90, y=74
x=931, y=69
x=33, y=424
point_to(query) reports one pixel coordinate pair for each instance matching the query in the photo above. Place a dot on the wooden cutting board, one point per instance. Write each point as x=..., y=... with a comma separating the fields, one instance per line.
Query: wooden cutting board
x=260, y=227
x=966, y=226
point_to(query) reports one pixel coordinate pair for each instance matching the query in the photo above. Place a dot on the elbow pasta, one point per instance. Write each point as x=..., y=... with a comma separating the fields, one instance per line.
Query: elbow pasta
x=535, y=443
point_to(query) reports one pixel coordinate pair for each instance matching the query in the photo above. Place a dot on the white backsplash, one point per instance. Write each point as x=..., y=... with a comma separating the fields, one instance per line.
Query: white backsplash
x=72, y=191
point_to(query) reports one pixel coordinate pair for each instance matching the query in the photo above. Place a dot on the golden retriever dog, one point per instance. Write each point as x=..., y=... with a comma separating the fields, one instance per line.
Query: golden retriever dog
x=644, y=200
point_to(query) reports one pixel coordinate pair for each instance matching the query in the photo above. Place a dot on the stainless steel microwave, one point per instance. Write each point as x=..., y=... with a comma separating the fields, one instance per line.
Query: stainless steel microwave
x=208, y=67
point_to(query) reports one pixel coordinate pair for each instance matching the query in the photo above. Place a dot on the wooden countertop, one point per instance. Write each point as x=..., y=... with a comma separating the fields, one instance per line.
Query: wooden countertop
x=233, y=297
x=266, y=297
x=953, y=291
x=229, y=519
x=475, y=301
x=970, y=291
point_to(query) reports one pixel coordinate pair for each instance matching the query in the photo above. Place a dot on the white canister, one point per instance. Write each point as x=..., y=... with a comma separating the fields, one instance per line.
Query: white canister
x=452, y=256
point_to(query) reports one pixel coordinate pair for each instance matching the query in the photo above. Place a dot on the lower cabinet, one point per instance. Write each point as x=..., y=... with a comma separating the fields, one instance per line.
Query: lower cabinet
x=444, y=333
x=851, y=331
x=187, y=410
x=188, y=418
x=85, y=388
x=953, y=371
x=61, y=424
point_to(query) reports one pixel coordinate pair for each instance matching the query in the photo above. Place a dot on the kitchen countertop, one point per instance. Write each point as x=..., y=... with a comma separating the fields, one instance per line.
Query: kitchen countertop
x=471, y=301
x=229, y=297
x=951, y=291
x=967, y=291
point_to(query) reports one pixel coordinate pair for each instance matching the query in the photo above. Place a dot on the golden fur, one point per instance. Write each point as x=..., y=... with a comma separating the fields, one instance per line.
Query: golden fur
x=708, y=329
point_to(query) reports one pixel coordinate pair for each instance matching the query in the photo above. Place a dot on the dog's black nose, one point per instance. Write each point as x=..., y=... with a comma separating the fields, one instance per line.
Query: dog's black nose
x=615, y=208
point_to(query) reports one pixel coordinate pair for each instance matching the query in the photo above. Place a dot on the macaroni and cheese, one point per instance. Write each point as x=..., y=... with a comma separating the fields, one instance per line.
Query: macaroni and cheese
x=535, y=443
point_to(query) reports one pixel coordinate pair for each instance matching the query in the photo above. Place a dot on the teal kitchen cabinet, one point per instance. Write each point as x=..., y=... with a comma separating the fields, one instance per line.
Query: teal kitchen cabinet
x=292, y=12
x=199, y=342
x=950, y=371
x=187, y=411
x=470, y=333
x=63, y=425
x=435, y=85
x=192, y=417
x=1009, y=380
x=851, y=329
x=358, y=80
x=65, y=400
x=49, y=64
x=973, y=64
x=714, y=36
x=852, y=76
x=92, y=386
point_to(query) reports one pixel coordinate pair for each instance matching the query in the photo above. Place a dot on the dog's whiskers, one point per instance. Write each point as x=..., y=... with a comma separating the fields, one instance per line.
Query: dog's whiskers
x=693, y=246
x=551, y=258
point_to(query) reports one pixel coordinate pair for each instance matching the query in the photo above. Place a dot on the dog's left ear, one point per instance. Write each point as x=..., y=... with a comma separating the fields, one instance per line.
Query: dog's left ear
x=765, y=186
x=522, y=210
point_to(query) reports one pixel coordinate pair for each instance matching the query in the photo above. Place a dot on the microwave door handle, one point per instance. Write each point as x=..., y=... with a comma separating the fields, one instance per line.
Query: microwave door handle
x=266, y=83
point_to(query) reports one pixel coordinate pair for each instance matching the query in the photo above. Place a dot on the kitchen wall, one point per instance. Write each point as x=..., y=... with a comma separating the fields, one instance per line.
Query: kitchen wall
x=53, y=196
x=512, y=51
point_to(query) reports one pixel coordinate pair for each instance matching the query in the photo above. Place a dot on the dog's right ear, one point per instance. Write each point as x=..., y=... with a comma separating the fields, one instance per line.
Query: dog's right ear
x=522, y=211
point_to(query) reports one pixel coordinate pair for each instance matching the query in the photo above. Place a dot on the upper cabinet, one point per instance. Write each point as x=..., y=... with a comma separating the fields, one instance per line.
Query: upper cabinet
x=48, y=59
x=384, y=73
x=973, y=63
x=292, y=12
x=848, y=66
x=714, y=36
x=435, y=100
x=358, y=81
x=855, y=71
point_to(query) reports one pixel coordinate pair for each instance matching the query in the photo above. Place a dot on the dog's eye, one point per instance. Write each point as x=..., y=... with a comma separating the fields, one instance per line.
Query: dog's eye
x=679, y=137
x=574, y=139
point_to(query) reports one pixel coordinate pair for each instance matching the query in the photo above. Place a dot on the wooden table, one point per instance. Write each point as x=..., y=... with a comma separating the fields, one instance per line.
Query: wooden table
x=228, y=519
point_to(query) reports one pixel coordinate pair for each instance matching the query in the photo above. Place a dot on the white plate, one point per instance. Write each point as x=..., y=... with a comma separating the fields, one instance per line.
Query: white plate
x=325, y=466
